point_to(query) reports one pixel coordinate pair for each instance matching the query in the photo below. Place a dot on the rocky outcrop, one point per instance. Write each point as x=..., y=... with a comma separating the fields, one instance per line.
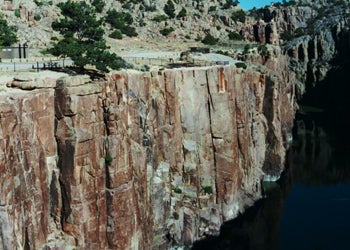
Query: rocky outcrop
x=312, y=33
x=141, y=160
x=311, y=57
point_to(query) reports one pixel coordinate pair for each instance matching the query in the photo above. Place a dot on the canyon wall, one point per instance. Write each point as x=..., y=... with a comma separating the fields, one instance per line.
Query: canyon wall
x=141, y=160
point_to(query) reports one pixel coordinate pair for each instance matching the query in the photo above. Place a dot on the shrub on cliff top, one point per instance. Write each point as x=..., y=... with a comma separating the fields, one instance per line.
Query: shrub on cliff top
x=241, y=65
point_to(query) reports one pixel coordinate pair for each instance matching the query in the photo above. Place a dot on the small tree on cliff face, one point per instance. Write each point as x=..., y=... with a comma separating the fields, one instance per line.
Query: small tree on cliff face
x=82, y=37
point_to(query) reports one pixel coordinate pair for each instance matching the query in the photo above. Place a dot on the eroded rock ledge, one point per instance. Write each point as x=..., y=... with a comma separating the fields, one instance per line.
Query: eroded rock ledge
x=141, y=160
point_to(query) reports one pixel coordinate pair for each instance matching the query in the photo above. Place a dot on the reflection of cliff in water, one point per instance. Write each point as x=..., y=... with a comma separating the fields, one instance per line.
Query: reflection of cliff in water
x=312, y=161
x=319, y=157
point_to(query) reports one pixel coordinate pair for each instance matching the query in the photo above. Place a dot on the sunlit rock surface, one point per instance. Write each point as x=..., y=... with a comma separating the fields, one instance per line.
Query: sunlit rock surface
x=139, y=160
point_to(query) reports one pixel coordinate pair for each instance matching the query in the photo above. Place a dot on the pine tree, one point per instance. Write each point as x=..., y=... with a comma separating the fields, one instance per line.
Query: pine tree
x=83, y=38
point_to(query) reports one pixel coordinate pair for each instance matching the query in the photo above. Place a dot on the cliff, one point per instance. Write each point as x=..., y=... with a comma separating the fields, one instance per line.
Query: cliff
x=313, y=34
x=140, y=160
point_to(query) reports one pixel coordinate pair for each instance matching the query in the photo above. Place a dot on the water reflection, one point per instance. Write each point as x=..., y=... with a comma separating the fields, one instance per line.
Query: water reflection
x=309, y=207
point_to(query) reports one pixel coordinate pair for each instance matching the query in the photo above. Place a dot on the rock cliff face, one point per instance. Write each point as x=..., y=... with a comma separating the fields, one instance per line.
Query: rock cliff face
x=141, y=160
x=312, y=33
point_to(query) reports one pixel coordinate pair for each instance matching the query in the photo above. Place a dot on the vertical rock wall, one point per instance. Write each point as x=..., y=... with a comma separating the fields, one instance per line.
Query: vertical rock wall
x=142, y=160
x=28, y=154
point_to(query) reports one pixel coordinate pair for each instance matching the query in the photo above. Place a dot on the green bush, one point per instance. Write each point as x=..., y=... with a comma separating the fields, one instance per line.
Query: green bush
x=98, y=4
x=116, y=35
x=198, y=38
x=108, y=159
x=169, y=9
x=228, y=4
x=150, y=8
x=37, y=17
x=212, y=8
x=160, y=18
x=263, y=51
x=246, y=49
x=207, y=189
x=182, y=13
x=17, y=13
x=210, y=40
x=287, y=36
x=177, y=190
x=38, y=3
x=235, y=36
x=166, y=31
x=241, y=65
x=238, y=16
x=299, y=32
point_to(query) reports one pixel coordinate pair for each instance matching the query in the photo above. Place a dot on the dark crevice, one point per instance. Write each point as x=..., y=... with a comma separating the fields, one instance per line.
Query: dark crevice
x=26, y=240
x=210, y=107
x=311, y=50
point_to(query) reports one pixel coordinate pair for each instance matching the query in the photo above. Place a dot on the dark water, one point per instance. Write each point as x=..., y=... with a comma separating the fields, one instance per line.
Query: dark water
x=309, y=207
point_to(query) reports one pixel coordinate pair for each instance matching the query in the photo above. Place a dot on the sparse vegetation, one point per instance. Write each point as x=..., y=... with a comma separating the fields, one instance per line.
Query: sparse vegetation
x=246, y=49
x=8, y=34
x=177, y=190
x=235, y=36
x=241, y=65
x=37, y=17
x=229, y=3
x=287, y=36
x=207, y=189
x=38, y=3
x=264, y=52
x=210, y=40
x=212, y=8
x=98, y=4
x=169, y=9
x=108, y=159
x=166, y=31
x=182, y=13
x=239, y=16
x=116, y=35
x=17, y=13
x=160, y=18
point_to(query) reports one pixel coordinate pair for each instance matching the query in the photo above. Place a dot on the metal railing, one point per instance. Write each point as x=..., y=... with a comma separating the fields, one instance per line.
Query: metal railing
x=33, y=64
